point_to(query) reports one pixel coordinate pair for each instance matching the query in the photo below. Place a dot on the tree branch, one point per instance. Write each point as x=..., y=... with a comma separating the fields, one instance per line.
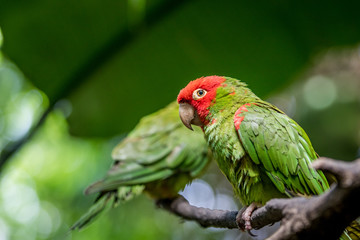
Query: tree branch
x=204, y=216
x=319, y=217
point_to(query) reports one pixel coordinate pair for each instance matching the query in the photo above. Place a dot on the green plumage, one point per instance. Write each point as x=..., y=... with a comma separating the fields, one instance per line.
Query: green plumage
x=266, y=154
x=263, y=153
x=158, y=157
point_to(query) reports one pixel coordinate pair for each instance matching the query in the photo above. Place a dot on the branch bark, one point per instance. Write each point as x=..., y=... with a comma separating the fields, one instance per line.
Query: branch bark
x=319, y=217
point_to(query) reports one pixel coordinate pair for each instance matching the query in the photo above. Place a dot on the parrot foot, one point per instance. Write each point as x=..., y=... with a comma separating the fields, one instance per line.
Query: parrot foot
x=243, y=218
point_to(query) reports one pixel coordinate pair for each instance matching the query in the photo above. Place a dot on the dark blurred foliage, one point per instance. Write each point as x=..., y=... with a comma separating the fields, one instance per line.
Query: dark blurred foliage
x=145, y=60
x=103, y=65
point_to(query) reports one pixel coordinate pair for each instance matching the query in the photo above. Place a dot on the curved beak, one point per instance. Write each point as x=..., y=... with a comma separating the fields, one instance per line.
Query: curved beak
x=188, y=115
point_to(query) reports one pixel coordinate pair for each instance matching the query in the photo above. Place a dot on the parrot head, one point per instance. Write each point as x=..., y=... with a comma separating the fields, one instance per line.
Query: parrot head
x=206, y=97
x=196, y=98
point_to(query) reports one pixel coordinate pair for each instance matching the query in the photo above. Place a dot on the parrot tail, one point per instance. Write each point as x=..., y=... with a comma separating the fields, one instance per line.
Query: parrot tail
x=105, y=201
x=352, y=232
x=102, y=203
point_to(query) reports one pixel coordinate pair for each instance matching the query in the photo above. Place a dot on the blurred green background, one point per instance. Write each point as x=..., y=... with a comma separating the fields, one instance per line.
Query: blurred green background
x=75, y=76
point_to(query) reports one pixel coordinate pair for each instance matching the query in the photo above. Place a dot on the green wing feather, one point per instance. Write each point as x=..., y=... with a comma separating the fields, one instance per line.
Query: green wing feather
x=159, y=148
x=282, y=150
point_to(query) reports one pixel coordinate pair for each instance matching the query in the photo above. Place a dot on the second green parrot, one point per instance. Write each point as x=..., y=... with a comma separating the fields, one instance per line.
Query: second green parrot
x=158, y=157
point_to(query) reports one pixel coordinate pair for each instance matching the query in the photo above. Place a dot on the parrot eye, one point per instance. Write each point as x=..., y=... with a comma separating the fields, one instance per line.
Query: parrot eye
x=198, y=93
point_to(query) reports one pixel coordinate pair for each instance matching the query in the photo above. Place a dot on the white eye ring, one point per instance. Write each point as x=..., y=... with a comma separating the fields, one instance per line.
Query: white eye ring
x=199, y=93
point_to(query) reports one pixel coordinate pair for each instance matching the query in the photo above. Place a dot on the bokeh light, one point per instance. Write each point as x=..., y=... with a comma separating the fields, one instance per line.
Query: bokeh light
x=320, y=92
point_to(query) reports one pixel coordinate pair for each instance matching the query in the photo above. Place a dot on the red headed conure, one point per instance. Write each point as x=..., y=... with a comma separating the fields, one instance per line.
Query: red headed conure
x=263, y=153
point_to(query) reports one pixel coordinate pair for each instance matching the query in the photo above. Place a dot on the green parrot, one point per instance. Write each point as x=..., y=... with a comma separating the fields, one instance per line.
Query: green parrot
x=263, y=153
x=158, y=157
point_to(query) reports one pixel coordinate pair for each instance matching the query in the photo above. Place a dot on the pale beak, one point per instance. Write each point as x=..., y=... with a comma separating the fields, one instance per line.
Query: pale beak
x=188, y=115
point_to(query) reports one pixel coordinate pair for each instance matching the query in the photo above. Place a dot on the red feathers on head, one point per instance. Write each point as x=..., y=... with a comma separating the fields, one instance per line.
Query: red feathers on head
x=210, y=84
